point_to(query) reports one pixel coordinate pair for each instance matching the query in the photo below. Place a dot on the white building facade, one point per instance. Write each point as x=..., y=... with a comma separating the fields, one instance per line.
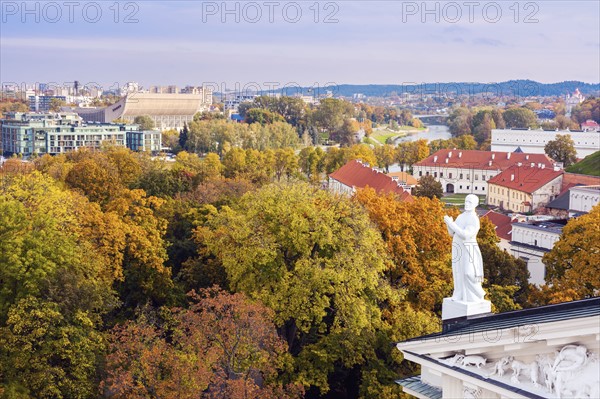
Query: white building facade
x=468, y=171
x=583, y=198
x=534, y=141
x=530, y=242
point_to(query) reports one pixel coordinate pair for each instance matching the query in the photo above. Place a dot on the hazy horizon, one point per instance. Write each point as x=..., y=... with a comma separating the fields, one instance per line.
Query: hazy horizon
x=309, y=43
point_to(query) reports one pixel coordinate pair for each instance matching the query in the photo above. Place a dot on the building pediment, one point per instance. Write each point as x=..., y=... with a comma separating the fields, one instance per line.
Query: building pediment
x=546, y=352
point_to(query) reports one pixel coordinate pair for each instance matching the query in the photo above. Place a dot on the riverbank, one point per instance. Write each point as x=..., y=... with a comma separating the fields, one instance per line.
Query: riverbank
x=385, y=135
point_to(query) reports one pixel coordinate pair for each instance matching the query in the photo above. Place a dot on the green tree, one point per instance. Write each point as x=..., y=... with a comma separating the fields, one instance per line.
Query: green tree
x=460, y=121
x=262, y=116
x=346, y=134
x=483, y=123
x=428, y=187
x=331, y=114
x=521, y=118
x=562, y=149
x=183, y=136
x=144, y=121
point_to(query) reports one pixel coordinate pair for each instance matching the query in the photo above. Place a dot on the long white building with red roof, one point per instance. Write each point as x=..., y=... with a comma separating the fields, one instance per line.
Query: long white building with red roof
x=468, y=171
x=355, y=174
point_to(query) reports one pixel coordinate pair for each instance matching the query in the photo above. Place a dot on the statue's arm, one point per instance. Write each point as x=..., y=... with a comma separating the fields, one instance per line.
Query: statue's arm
x=466, y=233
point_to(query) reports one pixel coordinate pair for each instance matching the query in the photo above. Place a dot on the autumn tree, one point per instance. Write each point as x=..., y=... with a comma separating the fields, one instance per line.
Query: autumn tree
x=418, y=244
x=310, y=162
x=386, y=155
x=428, y=187
x=562, y=149
x=57, y=276
x=315, y=260
x=223, y=345
x=411, y=152
x=571, y=265
x=589, y=109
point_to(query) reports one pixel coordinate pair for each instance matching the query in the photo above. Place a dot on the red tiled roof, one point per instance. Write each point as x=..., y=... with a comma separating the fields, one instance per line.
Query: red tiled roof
x=490, y=160
x=572, y=179
x=590, y=123
x=355, y=174
x=525, y=178
x=502, y=223
x=404, y=177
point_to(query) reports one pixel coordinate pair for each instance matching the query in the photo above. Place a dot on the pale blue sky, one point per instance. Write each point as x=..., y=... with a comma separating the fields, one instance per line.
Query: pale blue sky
x=376, y=42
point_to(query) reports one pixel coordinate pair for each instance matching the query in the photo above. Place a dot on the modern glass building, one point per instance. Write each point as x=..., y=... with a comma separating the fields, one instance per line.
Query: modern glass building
x=27, y=134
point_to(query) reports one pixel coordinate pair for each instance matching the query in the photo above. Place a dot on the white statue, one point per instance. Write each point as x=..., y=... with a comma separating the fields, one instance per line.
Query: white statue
x=474, y=360
x=529, y=368
x=467, y=264
x=500, y=364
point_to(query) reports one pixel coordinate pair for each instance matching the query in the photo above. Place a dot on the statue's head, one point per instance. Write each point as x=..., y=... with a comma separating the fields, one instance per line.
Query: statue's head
x=471, y=202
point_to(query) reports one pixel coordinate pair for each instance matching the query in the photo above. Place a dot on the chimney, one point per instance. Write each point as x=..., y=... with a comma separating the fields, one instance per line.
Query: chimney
x=490, y=163
x=532, y=164
x=508, y=155
x=435, y=158
x=446, y=160
x=539, y=165
x=450, y=154
x=526, y=157
x=519, y=164
x=512, y=177
x=543, y=165
x=493, y=156
x=460, y=154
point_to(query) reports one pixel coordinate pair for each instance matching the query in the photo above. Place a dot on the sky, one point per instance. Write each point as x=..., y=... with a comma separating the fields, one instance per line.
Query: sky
x=275, y=43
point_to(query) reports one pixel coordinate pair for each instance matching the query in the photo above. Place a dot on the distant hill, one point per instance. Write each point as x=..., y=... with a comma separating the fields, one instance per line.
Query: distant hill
x=521, y=88
x=589, y=166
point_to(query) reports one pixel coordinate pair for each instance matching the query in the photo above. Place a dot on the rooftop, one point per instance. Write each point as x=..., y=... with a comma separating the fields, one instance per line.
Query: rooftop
x=502, y=223
x=523, y=178
x=542, y=314
x=489, y=160
x=553, y=227
x=356, y=174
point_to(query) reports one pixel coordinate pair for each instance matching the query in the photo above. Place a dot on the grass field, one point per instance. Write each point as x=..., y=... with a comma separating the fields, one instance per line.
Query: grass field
x=459, y=199
x=589, y=166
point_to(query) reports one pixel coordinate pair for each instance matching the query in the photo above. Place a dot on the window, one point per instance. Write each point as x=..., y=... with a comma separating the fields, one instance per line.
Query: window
x=450, y=175
x=476, y=177
x=460, y=187
x=434, y=174
x=441, y=174
x=426, y=173
x=461, y=176
x=420, y=173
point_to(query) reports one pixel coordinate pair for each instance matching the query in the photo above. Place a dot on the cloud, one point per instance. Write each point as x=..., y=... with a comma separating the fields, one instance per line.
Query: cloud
x=483, y=41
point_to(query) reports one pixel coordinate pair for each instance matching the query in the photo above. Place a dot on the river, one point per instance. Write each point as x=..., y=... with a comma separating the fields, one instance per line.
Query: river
x=435, y=132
